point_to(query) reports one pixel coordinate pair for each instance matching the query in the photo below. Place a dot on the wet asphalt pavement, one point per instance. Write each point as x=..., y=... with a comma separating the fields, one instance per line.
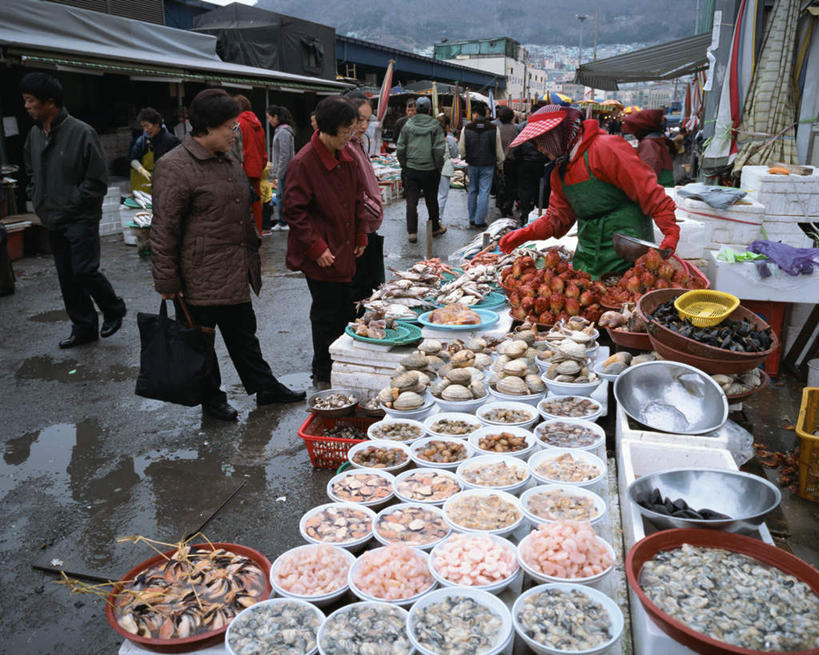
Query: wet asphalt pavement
x=85, y=461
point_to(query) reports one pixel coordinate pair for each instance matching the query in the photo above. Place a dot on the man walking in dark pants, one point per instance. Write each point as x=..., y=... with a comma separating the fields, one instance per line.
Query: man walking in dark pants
x=68, y=179
x=530, y=165
x=420, y=152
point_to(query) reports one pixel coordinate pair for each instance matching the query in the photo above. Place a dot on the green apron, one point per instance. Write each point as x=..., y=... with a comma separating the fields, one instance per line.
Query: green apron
x=666, y=178
x=602, y=209
x=139, y=183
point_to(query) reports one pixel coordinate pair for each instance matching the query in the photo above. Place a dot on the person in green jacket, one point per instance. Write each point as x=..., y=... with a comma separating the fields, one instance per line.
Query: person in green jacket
x=420, y=151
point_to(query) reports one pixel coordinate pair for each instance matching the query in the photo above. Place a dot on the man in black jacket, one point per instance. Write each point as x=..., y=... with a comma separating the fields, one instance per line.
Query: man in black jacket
x=68, y=179
x=530, y=164
x=480, y=145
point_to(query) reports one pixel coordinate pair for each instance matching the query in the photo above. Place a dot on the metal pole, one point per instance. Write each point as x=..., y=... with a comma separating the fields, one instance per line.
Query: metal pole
x=596, y=27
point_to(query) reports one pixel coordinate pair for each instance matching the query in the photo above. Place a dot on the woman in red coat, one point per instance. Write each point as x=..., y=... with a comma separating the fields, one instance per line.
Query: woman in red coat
x=653, y=147
x=254, y=153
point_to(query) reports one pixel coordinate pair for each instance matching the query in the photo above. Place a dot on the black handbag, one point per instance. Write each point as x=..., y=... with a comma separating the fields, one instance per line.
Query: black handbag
x=175, y=358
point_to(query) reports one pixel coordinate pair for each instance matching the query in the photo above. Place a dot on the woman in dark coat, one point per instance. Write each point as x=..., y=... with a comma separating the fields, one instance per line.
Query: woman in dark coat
x=205, y=247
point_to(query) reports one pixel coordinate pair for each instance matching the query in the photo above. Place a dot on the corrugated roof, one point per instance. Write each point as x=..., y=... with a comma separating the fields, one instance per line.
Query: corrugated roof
x=660, y=62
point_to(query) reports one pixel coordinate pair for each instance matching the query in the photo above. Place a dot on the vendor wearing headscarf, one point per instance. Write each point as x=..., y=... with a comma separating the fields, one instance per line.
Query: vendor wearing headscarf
x=653, y=147
x=598, y=181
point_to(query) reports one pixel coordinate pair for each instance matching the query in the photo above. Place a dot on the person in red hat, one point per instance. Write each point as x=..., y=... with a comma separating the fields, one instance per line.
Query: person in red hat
x=600, y=183
x=654, y=147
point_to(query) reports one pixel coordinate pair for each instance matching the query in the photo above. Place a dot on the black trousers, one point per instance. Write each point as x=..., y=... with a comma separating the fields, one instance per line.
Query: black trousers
x=369, y=268
x=76, y=250
x=507, y=187
x=237, y=325
x=529, y=174
x=331, y=310
x=415, y=182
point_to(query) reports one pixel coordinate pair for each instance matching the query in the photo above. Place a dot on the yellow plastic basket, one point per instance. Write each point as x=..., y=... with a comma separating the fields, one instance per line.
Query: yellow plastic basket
x=807, y=424
x=705, y=308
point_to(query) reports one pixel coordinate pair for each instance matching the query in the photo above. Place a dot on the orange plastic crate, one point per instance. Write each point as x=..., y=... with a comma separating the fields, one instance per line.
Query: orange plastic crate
x=330, y=452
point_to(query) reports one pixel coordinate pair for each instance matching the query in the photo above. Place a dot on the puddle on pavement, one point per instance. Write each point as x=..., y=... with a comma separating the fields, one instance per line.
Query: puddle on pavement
x=45, y=367
x=52, y=316
x=44, y=453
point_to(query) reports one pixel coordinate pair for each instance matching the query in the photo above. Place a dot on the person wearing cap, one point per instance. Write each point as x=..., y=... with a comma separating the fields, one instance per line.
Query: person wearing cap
x=420, y=152
x=654, y=148
x=599, y=182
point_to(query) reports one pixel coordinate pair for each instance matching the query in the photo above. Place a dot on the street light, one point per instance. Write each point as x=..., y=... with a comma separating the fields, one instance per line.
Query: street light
x=582, y=18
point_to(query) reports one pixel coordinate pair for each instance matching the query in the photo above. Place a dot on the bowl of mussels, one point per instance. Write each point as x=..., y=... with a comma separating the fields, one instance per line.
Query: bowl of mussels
x=333, y=403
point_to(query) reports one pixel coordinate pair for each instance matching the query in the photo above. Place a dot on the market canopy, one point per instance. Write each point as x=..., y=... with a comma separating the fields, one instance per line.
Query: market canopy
x=660, y=62
x=69, y=38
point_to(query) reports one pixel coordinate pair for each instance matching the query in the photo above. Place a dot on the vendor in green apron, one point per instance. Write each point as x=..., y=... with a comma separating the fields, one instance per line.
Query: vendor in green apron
x=154, y=142
x=598, y=182
x=653, y=146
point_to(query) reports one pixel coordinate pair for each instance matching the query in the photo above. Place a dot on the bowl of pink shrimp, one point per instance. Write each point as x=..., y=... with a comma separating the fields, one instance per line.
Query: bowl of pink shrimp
x=316, y=573
x=479, y=561
x=396, y=574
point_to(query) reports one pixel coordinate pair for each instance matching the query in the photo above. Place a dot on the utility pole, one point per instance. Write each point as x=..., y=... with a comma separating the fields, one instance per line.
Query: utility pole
x=582, y=18
x=596, y=27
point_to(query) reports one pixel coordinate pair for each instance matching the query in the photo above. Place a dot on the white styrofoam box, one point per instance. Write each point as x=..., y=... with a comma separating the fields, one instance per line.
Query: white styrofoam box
x=788, y=233
x=126, y=216
x=738, y=224
x=693, y=237
x=743, y=280
x=783, y=194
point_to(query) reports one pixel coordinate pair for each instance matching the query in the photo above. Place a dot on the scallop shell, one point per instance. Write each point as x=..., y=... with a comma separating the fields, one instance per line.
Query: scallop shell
x=405, y=381
x=408, y=400
x=512, y=385
x=534, y=383
x=456, y=392
x=517, y=367
x=513, y=349
x=430, y=347
x=414, y=361
x=463, y=358
x=459, y=376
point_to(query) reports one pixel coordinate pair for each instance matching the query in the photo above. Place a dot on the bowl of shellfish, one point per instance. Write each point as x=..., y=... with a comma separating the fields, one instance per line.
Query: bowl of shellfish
x=452, y=424
x=516, y=375
x=368, y=487
x=440, y=452
x=333, y=403
x=379, y=454
x=293, y=573
x=346, y=525
x=496, y=440
x=411, y=405
x=508, y=414
x=500, y=472
x=403, y=430
x=278, y=625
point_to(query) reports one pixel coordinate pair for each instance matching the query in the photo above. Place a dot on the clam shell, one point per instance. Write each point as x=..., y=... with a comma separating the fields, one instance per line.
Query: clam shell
x=642, y=359
x=571, y=349
x=512, y=385
x=514, y=348
x=414, y=361
x=569, y=367
x=517, y=367
x=527, y=336
x=435, y=363
x=408, y=400
x=476, y=373
x=463, y=358
x=534, y=383
x=478, y=389
x=430, y=347
x=476, y=345
x=482, y=360
x=385, y=396
x=459, y=376
x=500, y=362
x=405, y=381
x=456, y=392
x=437, y=387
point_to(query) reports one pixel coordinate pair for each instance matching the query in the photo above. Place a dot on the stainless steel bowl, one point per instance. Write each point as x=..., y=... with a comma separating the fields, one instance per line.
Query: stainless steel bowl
x=746, y=498
x=338, y=411
x=630, y=248
x=671, y=397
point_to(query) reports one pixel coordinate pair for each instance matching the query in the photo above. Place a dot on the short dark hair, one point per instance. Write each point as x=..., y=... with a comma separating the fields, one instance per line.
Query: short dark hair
x=44, y=87
x=150, y=115
x=479, y=108
x=244, y=103
x=282, y=113
x=506, y=114
x=410, y=102
x=357, y=97
x=334, y=112
x=210, y=108
x=443, y=119
x=540, y=104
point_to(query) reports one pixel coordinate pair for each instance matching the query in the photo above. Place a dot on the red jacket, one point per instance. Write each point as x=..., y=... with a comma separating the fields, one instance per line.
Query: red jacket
x=323, y=203
x=254, y=150
x=612, y=160
x=654, y=152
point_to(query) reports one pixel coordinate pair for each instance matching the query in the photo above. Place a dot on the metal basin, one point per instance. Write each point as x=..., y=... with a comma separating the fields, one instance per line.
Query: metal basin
x=336, y=412
x=746, y=498
x=630, y=248
x=671, y=397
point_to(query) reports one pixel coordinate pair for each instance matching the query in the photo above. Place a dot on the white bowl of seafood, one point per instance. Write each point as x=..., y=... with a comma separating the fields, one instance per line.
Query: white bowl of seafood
x=437, y=622
x=562, y=407
x=316, y=573
x=508, y=414
x=479, y=561
x=516, y=376
x=396, y=574
x=567, y=466
x=412, y=524
x=484, y=510
x=440, y=452
x=368, y=487
x=572, y=433
x=561, y=618
x=451, y=424
x=426, y=486
x=500, y=472
x=403, y=430
x=279, y=625
x=347, y=525
x=547, y=503
x=408, y=406
x=380, y=455
x=497, y=440
x=365, y=628
x=566, y=551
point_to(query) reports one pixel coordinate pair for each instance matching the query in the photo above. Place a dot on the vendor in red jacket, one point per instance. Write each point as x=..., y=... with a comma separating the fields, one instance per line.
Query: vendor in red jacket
x=254, y=153
x=599, y=182
x=653, y=146
x=324, y=206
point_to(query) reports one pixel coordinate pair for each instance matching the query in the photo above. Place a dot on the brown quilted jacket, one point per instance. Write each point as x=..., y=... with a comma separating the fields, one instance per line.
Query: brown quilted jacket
x=203, y=239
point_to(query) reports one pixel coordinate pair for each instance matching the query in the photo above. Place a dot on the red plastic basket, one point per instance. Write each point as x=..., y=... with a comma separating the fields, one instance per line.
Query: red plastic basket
x=330, y=452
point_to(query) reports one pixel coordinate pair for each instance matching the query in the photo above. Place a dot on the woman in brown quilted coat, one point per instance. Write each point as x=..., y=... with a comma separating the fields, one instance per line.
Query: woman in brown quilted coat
x=205, y=247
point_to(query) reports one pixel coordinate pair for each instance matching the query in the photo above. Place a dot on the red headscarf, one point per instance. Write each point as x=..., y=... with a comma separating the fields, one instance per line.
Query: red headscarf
x=644, y=122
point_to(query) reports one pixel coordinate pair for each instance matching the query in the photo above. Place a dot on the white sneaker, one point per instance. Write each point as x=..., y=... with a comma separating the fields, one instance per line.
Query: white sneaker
x=275, y=228
x=284, y=228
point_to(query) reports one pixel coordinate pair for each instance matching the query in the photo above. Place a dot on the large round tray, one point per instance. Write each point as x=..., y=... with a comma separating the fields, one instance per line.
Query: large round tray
x=196, y=642
x=646, y=548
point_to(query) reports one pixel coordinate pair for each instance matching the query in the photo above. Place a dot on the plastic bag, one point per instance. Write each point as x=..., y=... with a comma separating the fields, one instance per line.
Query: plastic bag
x=794, y=261
x=718, y=197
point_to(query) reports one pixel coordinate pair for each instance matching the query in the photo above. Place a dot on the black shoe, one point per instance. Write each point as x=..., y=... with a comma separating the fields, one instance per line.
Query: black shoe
x=441, y=230
x=78, y=339
x=111, y=325
x=278, y=394
x=221, y=410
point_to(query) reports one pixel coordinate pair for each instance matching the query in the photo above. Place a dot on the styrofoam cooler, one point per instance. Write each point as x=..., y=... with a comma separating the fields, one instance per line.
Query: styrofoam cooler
x=126, y=216
x=783, y=195
x=737, y=225
x=693, y=236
